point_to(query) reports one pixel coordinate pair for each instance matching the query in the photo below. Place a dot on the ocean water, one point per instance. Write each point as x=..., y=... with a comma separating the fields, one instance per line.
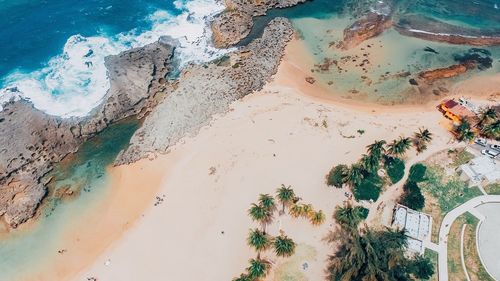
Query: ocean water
x=53, y=50
x=26, y=252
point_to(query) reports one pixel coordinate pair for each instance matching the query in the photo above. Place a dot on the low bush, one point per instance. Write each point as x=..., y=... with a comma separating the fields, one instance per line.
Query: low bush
x=417, y=173
x=412, y=196
x=368, y=189
x=395, y=168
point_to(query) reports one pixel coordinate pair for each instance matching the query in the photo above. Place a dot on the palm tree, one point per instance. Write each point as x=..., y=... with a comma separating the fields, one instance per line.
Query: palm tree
x=243, y=277
x=296, y=210
x=400, y=146
x=261, y=215
x=488, y=116
x=464, y=132
x=307, y=210
x=267, y=201
x=370, y=162
x=424, y=135
x=317, y=218
x=376, y=148
x=421, y=138
x=355, y=175
x=284, y=246
x=259, y=240
x=258, y=268
x=285, y=195
x=348, y=216
x=492, y=130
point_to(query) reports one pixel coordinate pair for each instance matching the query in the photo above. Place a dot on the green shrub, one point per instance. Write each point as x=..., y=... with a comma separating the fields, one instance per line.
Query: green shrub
x=417, y=173
x=369, y=188
x=412, y=196
x=337, y=175
x=362, y=212
x=395, y=168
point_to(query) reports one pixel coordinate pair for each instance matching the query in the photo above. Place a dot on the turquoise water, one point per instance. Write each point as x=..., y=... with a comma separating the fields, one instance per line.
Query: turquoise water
x=24, y=251
x=321, y=23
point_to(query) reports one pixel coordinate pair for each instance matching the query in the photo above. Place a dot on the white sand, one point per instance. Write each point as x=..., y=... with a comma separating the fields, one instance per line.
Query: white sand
x=290, y=133
x=181, y=239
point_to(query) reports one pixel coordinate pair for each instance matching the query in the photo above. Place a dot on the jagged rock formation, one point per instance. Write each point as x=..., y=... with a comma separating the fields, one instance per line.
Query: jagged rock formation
x=203, y=91
x=446, y=72
x=33, y=141
x=434, y=30
x=371, y=25
x=236, y=22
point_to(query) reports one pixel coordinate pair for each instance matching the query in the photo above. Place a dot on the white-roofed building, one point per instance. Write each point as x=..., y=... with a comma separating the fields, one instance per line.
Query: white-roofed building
x=480, y=169
x=417, y=227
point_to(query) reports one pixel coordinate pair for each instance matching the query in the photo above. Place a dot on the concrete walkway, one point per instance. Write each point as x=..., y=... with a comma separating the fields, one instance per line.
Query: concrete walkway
x=448, y=220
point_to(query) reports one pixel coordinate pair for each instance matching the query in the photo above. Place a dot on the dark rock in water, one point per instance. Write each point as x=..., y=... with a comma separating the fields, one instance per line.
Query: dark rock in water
x=369, y=26
x=310, y=80
x=430, y=50
x=446, y=72
x=434, y=30
x=413, y=82
x=479, y=56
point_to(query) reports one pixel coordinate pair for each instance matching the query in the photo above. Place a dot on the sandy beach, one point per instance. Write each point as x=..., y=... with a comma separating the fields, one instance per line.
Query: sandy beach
x=183, y=215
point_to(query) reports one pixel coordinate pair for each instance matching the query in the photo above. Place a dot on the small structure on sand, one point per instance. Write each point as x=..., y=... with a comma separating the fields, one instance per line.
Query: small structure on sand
x=457, y=112
x=480, y=170
x=417, y=226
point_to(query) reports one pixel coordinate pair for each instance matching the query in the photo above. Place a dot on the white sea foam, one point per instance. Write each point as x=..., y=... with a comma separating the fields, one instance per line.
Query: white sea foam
x=74, y=82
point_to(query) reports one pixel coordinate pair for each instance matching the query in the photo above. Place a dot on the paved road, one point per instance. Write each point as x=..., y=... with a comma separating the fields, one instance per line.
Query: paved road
x=444, y=230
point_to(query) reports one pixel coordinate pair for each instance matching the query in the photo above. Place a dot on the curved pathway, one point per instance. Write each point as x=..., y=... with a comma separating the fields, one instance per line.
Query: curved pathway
x=444, y=230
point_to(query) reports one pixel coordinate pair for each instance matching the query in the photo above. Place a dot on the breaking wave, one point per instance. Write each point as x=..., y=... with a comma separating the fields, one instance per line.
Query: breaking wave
x=75, y=81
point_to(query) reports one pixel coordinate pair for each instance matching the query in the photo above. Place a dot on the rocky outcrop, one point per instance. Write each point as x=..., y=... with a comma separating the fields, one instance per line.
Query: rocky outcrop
x=203, y=91
x=32, y=140
x=434, y=30
x=446, y=72
x=236, y=22
x=367, y=27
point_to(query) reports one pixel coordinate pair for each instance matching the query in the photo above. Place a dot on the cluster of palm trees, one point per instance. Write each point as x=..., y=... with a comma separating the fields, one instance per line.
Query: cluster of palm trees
x=371, y=161
x=490, y=123
x=367, y=254
x=263, y=213
x=488, y=126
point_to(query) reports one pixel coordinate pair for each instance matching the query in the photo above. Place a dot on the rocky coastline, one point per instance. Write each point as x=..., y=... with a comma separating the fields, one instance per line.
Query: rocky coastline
x=138, y=87
x=236, y=21
x=434, y=30
x=33, y=141
x=209, y=89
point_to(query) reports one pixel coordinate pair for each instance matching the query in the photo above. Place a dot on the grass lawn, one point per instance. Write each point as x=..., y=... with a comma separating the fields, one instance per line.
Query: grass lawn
x=459, y=157
x=442, y=194
x=433, y=257
x=471, y=256
x=455, y=269
x=493, y=188
x=472, y=262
